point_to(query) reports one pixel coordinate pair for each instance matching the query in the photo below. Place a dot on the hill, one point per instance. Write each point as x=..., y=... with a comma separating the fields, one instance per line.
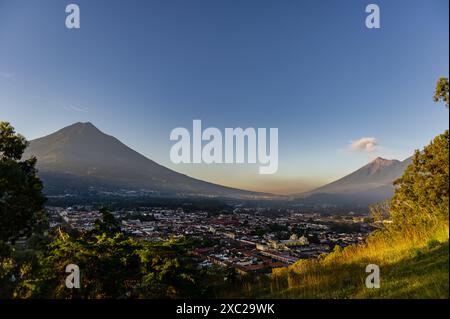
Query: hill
x=411, y=266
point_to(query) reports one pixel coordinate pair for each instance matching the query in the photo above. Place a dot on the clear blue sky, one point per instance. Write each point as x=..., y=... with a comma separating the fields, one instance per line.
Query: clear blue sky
x=138, y=69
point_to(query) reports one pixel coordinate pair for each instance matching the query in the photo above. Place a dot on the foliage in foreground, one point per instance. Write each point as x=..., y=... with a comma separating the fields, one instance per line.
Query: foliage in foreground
x=110, y=267
x=21, y=199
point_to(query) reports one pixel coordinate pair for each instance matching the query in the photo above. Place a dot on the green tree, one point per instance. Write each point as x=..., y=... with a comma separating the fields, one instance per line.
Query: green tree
x=422, y=194
x=441, y=92
x=108, y=224
x=21, y=199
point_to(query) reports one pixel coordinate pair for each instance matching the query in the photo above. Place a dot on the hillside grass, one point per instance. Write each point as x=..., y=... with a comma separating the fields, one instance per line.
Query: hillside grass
x=412, y=265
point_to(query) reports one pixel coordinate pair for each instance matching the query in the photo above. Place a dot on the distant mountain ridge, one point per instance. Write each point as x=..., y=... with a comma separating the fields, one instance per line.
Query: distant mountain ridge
x=369, y=184
x=378, y=173
x=80, y=156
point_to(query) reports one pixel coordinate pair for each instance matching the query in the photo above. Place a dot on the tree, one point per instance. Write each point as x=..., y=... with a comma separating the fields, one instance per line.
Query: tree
x=441, y=92
x=21, y=199
x=422, y=195
x=108, y=224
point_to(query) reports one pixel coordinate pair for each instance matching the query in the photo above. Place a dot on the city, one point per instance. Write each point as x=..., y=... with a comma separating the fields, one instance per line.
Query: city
x=249, y=240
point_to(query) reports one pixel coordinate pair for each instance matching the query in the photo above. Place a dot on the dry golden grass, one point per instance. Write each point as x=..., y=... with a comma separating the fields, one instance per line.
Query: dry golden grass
x=413, y=264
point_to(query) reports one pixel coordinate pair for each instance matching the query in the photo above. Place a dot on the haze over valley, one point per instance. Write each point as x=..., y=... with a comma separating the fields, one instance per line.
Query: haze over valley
x=80, y=159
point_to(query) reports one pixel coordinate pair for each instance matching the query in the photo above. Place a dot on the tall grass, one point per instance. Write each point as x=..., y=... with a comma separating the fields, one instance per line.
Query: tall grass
x=413, y=264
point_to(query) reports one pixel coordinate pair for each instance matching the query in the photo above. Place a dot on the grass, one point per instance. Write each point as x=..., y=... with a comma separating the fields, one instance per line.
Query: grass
x=423, y=275
x=412, y=265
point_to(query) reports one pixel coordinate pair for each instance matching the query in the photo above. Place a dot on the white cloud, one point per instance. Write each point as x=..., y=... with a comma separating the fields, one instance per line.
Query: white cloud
x=367, y=144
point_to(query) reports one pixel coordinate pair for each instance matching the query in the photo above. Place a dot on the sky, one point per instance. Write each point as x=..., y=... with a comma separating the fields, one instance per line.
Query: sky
x=339, y=93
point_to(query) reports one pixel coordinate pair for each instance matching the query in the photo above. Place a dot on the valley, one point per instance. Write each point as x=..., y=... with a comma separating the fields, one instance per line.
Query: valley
x=247, y=240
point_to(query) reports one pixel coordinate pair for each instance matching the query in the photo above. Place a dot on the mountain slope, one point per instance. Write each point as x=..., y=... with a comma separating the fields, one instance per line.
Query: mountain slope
x=81, y=156
x=378, y=173
x=369, y=184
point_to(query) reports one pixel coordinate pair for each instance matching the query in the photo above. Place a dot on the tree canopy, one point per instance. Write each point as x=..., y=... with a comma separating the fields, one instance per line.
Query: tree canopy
x=21, y=199
x=111, y=267
x=422, y=193
x=441, y=92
